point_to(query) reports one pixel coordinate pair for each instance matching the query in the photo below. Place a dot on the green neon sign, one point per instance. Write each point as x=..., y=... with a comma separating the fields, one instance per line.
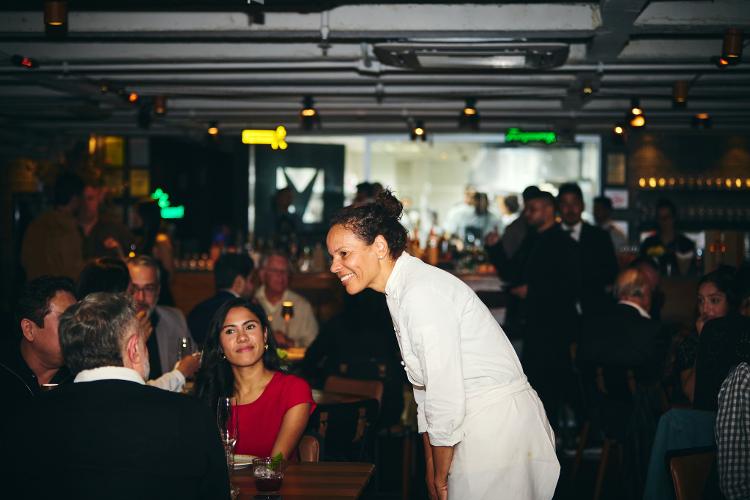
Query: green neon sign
x=518, y=135
x=167, y=210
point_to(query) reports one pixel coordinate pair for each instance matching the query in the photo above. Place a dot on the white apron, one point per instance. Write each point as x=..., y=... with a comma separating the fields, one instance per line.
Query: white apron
x=508, y=448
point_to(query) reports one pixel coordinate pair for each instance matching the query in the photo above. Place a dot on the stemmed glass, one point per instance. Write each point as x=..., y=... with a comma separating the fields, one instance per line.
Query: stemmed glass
x=287, y=313
x=227, y=418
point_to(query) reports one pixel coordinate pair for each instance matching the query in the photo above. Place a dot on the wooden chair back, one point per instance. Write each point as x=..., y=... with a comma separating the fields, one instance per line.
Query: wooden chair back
x=369, y=389
x=690, y=470
x=309, y=449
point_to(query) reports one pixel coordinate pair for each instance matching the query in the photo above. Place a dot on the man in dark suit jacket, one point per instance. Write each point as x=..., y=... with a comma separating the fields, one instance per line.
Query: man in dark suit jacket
x=626, y=337
x=108, y=435
x=233, y=275
x=598, y=261
x=550, y=283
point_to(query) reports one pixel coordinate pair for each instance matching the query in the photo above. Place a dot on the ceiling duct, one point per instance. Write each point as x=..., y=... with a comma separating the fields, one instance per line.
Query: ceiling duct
x=468, y=55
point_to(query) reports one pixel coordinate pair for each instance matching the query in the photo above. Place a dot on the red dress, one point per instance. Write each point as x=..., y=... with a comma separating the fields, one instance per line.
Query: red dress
x=260, y=420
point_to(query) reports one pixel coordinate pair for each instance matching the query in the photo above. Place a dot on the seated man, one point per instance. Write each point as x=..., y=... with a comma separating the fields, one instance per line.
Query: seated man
x=233, y=277
x=627, y=336
x=38, y=361
x=168, y=323
x=302, y=328
x=108, y=435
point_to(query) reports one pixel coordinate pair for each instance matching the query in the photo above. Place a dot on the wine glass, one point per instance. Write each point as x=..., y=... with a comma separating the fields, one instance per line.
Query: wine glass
x=184, y=347
x=227, y=418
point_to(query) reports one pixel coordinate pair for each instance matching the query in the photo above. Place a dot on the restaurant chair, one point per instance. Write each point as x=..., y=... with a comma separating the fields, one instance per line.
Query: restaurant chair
x=690, y=469
x=344, y=429
x=371, y=389
x=309, y=449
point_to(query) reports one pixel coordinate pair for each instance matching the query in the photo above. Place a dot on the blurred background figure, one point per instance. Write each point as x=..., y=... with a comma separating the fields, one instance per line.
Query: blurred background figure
x=458, y=214
x=672, y=250
x=481, y=222
x=52, y=244
x=103, y=234
x=287, y=223
x=302, y=328
x=603, y=219
x=153, y=241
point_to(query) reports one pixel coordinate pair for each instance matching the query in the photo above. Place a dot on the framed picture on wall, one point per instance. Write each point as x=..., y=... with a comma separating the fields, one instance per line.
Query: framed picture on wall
x=616, y=169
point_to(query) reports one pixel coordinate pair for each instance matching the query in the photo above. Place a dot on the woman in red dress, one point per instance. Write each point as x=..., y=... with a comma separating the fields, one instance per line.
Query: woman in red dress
x=240, y=361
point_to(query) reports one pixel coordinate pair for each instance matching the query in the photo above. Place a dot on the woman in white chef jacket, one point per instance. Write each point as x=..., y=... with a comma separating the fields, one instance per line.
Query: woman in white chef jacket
x=484, y=429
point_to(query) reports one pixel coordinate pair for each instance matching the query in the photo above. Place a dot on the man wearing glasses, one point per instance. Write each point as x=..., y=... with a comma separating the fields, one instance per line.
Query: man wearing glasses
x=169, y=325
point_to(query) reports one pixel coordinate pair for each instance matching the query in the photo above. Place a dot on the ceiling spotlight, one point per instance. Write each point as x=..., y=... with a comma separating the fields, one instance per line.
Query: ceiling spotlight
x=23, y=61
x=308, y=114
x=469, y=117
x=731, y=49
x=418, y=131
x=635, y=107
x=720, y=62
x=702, y=121
x=680, y=93
x=160, y=105
x=618, y=129
x=638, y=121
x=213, y=129
x=133, y=97
x=56, y=17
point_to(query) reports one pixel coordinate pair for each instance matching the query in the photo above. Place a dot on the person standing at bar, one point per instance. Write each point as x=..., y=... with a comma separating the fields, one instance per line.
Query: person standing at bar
x=550, y=284
x=672, y=250
x=481, y=420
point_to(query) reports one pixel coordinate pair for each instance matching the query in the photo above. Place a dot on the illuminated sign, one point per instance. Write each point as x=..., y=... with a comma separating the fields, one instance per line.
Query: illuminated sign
x=167, y=210
x=518, y=135
x=274, y=138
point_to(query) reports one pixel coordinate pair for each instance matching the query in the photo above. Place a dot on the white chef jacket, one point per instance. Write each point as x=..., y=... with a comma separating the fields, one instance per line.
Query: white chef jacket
x=451, y=345
x=470, y=388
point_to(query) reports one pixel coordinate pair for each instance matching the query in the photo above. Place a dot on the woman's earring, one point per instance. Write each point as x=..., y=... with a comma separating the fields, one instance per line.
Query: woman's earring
x=266, y=347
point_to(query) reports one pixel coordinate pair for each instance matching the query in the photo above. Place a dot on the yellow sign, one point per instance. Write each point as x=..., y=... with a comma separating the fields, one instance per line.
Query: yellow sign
x=274, y=138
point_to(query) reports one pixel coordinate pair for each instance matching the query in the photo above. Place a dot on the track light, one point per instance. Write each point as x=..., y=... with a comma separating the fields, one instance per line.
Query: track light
x=731, y=49
x=23, y=61
x=160, y=105
x=702, y=121
x=132, y=97
x=636, y=117
x=418, y=131
x=680, y=93
x=618, y=129
x=308, y=114
x=469, y=117
x=213, y=129
x=56, y=17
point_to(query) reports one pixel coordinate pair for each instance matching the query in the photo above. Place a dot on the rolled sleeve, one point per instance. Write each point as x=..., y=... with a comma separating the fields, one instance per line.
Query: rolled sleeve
x=434, y=331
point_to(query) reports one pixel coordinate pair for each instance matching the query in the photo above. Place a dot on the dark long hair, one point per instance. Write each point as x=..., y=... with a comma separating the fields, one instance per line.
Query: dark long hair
x=724, y=279
x=381, y=217
x=215, y=378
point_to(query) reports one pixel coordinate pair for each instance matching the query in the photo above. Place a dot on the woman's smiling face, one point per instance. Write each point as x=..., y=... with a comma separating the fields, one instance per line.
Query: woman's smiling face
x=354, y=262
x=242, y=337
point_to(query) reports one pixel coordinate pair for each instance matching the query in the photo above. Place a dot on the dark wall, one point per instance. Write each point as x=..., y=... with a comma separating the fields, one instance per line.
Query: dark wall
x=209, y=179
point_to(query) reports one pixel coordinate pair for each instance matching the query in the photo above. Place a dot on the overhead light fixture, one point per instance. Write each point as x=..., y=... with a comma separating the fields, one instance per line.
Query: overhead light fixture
x=213, y=129
x=469, y=117
x=618, y=129
x=636, y=117
x=731, y=49
x=635, y=107
x=721, y=62
x=133, y=97
x=104, y=87
x=680, y=93
x=418, y=131
x=160, y=105
x=702, y=121
x=308, y=114
x=56, y=17
x=23, y=61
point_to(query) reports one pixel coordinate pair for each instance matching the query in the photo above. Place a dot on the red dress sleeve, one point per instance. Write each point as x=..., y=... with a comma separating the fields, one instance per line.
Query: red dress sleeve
x=297, y=391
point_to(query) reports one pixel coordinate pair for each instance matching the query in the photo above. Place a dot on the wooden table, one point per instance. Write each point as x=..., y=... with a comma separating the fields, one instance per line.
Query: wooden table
x=332, y=398
x=307, y=481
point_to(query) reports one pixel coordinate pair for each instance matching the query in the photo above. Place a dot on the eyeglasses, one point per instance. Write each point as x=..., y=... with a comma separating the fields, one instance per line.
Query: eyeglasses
x=146, y=290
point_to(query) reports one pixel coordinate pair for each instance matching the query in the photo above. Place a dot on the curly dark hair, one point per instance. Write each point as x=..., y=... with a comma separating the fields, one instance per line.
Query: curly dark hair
x=215, y=378
x=380, y=217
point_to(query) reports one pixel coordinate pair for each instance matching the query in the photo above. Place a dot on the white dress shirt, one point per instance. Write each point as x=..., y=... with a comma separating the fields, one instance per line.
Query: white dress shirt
x=109, y=373
x=574, y=230
x=452, y=347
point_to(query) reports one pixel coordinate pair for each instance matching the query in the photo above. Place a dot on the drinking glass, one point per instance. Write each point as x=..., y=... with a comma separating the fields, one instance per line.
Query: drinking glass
x=287, y=313
x=184, y=347
x=269, y=475
x=228, y=421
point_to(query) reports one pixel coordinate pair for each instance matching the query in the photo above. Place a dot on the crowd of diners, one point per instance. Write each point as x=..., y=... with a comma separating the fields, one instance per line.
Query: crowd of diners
x=95, y=381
